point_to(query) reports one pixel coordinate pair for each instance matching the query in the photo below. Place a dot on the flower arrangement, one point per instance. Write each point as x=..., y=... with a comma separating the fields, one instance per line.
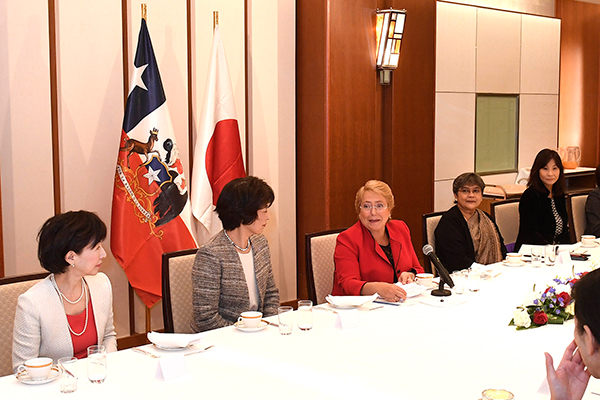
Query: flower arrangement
x=553, y=306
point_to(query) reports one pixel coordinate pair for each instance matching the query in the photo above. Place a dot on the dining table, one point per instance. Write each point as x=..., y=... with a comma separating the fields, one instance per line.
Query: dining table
x=427, y=348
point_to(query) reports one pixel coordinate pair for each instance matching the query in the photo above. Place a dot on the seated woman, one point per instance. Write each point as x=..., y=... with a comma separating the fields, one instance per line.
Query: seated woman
x=582, y=357
x=592, y=209
x=542, y=209
x=465, y=234
x=232, y=273
x=72, y=308
x=376, y=252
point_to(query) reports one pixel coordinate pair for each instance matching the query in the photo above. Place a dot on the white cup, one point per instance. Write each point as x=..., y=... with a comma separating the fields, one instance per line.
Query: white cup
x=588, y=240
x=513, y=258
x=37, y=368
x=424, y=279
x=250, y=319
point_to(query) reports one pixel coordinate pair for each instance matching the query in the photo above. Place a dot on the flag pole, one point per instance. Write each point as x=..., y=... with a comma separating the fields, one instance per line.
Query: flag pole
x=215, y=19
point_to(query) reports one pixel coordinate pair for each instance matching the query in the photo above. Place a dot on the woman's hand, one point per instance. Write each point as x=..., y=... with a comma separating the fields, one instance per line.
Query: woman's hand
x=407, y=277
x=387, y=291
x=569, y=380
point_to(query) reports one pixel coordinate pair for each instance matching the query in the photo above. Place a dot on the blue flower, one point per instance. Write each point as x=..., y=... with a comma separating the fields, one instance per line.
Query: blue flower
x=536, y=301
x=557, y=311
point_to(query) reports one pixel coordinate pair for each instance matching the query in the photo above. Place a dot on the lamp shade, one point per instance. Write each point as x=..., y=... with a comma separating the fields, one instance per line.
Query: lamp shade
x=389, y=30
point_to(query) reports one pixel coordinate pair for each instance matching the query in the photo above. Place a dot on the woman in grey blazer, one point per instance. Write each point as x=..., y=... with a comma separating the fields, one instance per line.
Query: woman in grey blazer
x=72, y=308
x=232, y=273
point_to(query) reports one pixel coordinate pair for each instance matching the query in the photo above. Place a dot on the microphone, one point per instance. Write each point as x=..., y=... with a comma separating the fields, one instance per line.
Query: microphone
x=441, y=270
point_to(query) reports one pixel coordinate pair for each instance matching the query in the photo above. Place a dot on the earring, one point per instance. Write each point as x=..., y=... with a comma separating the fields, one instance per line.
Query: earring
x=72, y=265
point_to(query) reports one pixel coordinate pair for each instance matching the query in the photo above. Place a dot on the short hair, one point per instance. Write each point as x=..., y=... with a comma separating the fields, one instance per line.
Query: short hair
x=240, y=200
x=541, y=160
x=379, y=187
x=70, y=231
x=586, y=295
x=467, y=179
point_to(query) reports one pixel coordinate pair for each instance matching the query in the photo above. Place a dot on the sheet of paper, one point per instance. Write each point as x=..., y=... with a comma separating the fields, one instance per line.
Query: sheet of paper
x=171, y=367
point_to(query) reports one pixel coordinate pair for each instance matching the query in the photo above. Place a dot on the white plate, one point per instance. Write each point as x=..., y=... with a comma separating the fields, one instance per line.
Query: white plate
x=167, y=348
x=240, y=325
x=590, y=246
x=348, y=302
x=26, y=379
x=508, y=264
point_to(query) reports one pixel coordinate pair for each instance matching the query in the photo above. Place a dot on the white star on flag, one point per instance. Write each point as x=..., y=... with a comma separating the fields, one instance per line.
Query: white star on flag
x=137, y=78
x=152, y=175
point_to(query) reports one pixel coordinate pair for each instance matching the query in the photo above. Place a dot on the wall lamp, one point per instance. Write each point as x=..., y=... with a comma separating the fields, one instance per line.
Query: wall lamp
x=389, y=30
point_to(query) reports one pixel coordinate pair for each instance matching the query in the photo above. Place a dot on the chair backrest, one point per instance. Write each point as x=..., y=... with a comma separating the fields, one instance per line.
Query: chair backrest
x=320, y=265
x=10, y=290
x=430, y=222
x=506, y=215
x=576, y=209
x=177, y=290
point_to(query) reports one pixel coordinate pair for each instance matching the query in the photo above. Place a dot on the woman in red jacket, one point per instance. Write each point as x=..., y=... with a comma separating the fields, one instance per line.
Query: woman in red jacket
x=376, y=252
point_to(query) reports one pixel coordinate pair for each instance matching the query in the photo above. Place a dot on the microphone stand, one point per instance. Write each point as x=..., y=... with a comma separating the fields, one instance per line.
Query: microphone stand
x=440, y=291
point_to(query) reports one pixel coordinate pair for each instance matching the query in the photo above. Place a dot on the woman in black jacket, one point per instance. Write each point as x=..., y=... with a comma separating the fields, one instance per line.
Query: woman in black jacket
x=542, y=209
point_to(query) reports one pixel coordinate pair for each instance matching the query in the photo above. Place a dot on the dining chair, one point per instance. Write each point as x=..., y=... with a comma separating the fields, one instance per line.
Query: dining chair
x=506, y=215
x=320, y=265
x=177, y=290
x=576, y=210
x=430, y=222
x=10, y=290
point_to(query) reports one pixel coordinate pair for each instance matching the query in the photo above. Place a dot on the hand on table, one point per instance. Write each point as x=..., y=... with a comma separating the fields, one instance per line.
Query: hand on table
x=387, y=291
x=569, y=380
x=407, y=277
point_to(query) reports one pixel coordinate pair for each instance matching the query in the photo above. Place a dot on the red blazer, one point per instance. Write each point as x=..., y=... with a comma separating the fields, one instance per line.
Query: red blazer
x=359, y=259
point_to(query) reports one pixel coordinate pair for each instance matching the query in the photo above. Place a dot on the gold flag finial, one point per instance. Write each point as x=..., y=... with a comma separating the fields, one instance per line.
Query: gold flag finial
x=215, y=19
x=143, y=10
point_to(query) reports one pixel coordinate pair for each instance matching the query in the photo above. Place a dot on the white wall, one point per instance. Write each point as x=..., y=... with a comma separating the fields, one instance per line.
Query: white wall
x=91, y=105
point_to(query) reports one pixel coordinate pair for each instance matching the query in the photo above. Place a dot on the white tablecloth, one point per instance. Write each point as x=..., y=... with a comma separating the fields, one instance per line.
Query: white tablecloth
x=413, y=351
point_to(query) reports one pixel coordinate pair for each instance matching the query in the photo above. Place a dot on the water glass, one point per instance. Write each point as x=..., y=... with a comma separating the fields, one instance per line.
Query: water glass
x=96, y=363
x=474, y=279
x=305, y=315
x=286, y=319
x=550, y=254
x=536, y=256
x=67, y=367
x=459, y=282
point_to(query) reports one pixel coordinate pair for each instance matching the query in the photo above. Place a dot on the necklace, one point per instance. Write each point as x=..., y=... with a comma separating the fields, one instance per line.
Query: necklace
x=62, y=296
x=236, y=246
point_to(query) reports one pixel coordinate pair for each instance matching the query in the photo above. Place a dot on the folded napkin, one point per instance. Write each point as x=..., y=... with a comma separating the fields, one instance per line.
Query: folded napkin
x=174, y=339
x=350, y=301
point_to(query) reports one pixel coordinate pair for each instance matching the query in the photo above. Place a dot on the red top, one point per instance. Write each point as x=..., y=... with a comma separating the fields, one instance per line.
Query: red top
x=89, y=337
x=359, y=259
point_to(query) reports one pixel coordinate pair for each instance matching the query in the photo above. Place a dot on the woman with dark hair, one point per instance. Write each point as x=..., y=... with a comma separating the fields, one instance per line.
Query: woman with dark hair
x=592, y=209
x=71, y=309
x=232, y=273
x=465, y=234
x=543, y=215
x=582, y=357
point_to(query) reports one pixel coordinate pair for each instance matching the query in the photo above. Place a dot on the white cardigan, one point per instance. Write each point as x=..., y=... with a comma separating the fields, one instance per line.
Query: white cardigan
x=41, y=328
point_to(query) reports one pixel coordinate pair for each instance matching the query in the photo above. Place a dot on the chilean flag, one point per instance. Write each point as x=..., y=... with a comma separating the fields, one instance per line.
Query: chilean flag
x=218, y=151
x=150, y=197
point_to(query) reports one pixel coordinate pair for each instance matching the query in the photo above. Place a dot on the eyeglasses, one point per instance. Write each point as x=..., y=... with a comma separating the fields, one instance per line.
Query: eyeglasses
x=466, y=192
x=369, y=206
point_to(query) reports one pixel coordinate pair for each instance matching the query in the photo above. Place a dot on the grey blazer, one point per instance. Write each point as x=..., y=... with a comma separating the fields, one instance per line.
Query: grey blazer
x=41, y=328
x=220, y=291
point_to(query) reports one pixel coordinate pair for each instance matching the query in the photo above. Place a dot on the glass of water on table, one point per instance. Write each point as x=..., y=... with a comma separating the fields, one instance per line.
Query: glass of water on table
x=96, y=361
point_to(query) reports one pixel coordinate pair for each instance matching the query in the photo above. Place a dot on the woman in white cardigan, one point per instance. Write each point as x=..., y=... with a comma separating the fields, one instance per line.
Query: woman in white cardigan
x=72, y=308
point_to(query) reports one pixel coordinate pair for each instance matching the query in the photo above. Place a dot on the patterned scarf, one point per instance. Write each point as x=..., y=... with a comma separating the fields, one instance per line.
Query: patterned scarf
x=485, y=238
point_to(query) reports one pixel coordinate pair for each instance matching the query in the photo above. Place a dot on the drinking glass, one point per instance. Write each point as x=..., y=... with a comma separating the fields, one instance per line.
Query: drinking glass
x=286, y=319
x=474, y=279
x=459, y=282
x=305, y=315
x=96, y=363
x=536, y=256
x=550, y=253
x=67, y=367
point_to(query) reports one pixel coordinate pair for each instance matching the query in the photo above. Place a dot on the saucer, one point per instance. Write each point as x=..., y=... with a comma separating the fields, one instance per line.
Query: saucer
x=240, y=325
x=590, y=246
x=26, y=379
x=169, y=348
x=507, y=264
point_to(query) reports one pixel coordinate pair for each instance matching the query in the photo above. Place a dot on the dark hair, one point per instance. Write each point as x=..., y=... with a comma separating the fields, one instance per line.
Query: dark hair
x=241, y=199
x=71, y=231
x=467, y=179
x=598, y=175
x=541, y=160
x=587, y=303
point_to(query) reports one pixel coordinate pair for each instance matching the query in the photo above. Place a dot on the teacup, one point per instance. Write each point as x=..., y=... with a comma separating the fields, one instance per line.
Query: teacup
x=588, y=240
x=250, y=319
x=37, y=368
x=513, y=258
x=424, y=279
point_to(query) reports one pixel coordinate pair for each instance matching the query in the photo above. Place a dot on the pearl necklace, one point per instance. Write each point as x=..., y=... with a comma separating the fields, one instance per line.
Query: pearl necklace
x=236, y=246
x=62, y=296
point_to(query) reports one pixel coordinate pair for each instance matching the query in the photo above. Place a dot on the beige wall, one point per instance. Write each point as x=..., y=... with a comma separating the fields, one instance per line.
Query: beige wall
x=90, y=111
